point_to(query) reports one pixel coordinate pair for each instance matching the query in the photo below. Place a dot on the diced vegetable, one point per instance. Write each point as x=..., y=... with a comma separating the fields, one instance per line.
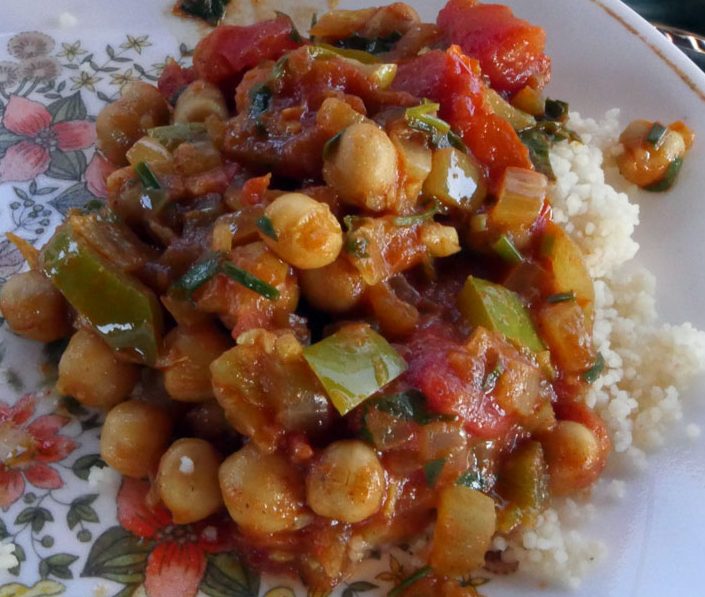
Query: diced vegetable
x=504, y=247
x=173, y=135
x=324, y=49
x=523, y=480
x=494, y=307
x=147, y=149
x=379, y=73
x=566, y=332
x=529, y=100
x=464, y=528
x=126, y=314
x=570, y=273
x=502, y=108
x=455, y=180
x=353, y=364
x=520, y=199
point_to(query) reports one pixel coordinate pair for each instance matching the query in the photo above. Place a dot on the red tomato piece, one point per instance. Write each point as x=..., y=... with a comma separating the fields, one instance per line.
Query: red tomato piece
x=442, y=77
x=229, y=50
x=450, y=391
x=174, y=79
x=510, y=50
x=494, y=142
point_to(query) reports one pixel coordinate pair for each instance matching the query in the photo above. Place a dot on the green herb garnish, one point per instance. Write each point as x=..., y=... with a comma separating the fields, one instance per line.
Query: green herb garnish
x=668, y=179
x=492, y=377
x=199, y=274
x=147, y=177
x=473, y=480
x=357, y=247
x=249, y=281
x=656, y=135
x=432, y=470
x=419, y=218
x=556, y=110
x=505, y=248
x=260, y=100
x=409, y=580
x=375, y=45
x=591, y=375
x=211, y=11
x=561, y=297
x=408, y=406
x=265, y=226
x=332, y=144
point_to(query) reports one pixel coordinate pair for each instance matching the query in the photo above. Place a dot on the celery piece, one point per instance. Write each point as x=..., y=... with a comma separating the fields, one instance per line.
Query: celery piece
x=126, y=314
x=353, y=364
x=495, y=307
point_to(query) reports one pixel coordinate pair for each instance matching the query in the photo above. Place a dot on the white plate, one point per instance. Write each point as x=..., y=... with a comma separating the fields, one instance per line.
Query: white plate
x=604, y=56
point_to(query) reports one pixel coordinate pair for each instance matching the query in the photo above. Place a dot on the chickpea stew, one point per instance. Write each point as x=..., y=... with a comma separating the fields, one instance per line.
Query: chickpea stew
x=329, y=266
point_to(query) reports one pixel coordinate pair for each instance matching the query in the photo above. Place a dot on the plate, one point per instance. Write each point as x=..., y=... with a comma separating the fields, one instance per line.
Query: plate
x=58, y=67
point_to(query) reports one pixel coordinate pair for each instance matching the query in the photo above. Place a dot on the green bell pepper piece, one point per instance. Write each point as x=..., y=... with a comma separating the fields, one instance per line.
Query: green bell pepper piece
x=497, y=308
x=353, y=364
x=121, y=310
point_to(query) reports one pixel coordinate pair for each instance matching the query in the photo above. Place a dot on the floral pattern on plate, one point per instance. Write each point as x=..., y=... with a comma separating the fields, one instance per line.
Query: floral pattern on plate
x=64, y=530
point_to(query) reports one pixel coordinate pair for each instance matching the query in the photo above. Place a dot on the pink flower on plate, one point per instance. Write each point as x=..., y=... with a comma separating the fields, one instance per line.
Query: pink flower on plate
x=26, y=449
x=97, y=173
x=40, y=137
x=177, y=562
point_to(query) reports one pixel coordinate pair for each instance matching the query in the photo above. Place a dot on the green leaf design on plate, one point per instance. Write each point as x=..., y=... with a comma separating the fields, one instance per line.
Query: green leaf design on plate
x=80, y=510
x=68, y=108
x=69, y=165
x=57, y=565
x=35, y=516
x=76, y=196
x=7, y=140
x=83, y=465
x=226, y=576
x=118, y=555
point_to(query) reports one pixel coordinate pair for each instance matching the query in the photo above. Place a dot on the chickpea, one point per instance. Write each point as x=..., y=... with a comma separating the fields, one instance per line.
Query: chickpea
x=335, y=288
x=199, y=101
x=263, y=492
x=574, y=457
x=308, y=235
x=188, y=480
x=90, y=372
x=440, y=240
x=34, y=308
x=189, y=353
x=363, y=167
x=346, y=483
x=134, y=437
x=120, y=124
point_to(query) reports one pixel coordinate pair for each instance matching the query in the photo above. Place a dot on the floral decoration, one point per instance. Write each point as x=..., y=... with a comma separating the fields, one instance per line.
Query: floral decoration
x=63, y=530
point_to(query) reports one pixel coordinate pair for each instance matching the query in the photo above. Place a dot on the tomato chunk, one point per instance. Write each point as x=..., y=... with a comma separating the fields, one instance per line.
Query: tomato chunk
x=227, y=51
x=452, y=381
x=510, y=50
x=454, y=80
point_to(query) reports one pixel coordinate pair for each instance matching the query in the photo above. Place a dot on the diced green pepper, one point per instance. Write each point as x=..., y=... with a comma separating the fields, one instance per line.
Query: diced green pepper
x=517, y=118
x=498, y=308
x=523, y=481
x=455, y=180
x=125, y=313
x=353, y=364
